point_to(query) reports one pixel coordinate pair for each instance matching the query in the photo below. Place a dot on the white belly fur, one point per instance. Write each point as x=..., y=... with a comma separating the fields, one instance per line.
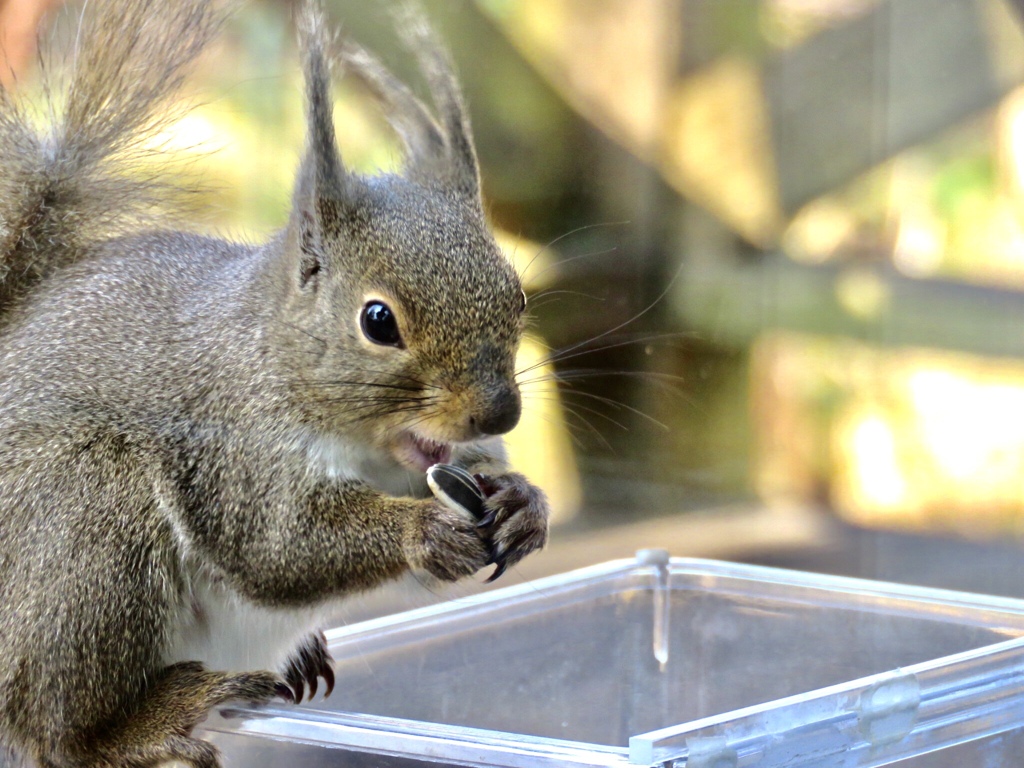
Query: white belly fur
x=227, y=632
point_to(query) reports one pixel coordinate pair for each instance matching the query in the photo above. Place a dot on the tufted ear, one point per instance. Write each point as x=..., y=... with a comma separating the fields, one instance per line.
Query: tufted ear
x=439, y=151
x=323, y=188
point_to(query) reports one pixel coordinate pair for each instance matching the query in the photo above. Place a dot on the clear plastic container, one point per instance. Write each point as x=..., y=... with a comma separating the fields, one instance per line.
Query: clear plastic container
x=664, y=662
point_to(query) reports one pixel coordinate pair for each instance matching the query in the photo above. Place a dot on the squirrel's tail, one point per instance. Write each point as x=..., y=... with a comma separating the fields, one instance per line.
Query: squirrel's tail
x=82, y=177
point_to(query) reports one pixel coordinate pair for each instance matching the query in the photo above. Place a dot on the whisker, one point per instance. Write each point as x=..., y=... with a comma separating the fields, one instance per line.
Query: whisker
x=617, y=404
x=561, y=263
x=654, y=377
x=571, y=427
x=544, y=298
x=400, y=376
x=375, y=414
x=378, y=403
x=412, y=379
x=535, y=339
x=570, y=406
x=583, y=421
x=303, y=331
x=665, y=382
x=386, y=397
x=594, y=430
x=570, y=233
x=417, y=422
x=563, y=354
x=379, y=408
x=342, y=383
x=568, y=291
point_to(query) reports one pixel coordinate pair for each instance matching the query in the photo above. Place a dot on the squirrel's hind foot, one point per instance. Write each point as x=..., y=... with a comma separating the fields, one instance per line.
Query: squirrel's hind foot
x=181, y=750
x=182, y=697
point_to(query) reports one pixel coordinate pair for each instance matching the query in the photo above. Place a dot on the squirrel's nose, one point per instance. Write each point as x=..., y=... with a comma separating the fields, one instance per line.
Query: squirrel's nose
x=501, y=413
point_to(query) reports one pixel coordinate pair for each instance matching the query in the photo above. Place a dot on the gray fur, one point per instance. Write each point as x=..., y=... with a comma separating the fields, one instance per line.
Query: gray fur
x=180, y=413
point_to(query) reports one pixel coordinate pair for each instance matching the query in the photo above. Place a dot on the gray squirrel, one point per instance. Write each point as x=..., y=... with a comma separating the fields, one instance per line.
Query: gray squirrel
x=204, y=446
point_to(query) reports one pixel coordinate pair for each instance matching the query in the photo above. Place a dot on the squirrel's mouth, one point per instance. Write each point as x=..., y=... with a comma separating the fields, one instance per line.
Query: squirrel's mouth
x=420, y=453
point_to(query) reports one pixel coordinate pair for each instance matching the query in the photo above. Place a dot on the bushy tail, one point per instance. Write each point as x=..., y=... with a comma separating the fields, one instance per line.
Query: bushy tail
x=82, y=178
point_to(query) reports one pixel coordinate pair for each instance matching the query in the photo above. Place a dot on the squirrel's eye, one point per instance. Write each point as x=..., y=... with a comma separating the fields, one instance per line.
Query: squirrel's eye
x=379, y=324
x=522, y=302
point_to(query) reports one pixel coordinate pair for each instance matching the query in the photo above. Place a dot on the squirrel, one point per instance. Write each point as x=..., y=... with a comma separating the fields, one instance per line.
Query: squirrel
x=206, y=445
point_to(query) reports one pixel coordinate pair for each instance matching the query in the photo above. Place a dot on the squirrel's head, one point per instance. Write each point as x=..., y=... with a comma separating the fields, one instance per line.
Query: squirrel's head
x=405, y=315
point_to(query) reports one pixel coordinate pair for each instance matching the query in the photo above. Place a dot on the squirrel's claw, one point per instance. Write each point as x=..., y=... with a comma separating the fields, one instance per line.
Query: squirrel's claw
x=502, y=565
x=296, y=682
x=284, y=691
x=488, y=519
x=516, y=520
x=314, y=682
x=310, y=662
x=327, y=673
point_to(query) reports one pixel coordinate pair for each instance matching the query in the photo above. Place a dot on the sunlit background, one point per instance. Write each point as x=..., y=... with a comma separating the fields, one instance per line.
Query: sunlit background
x=774, y=251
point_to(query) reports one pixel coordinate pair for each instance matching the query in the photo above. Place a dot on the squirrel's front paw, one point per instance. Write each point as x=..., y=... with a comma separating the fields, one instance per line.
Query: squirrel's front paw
x=516, y=519
x=445, y=542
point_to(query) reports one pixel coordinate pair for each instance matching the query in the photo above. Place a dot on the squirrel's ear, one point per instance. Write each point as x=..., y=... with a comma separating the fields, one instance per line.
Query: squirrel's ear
x=321, y=146
x=322, y=190
x=438, y=152
x=436, y=63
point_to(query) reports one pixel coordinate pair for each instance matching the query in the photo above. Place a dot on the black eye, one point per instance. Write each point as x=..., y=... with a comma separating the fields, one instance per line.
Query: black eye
x=379, y=324
x=522, y=302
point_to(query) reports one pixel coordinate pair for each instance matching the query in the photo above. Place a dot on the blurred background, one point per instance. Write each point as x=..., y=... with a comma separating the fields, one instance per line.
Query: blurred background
x=774, y=251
